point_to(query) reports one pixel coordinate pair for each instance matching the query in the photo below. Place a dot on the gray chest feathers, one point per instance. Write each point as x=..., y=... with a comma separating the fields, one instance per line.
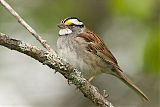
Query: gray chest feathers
x=67, y=49
x=72, y=52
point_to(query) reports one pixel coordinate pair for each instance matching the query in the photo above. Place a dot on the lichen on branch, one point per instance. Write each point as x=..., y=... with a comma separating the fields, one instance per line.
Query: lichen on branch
x=56, y=63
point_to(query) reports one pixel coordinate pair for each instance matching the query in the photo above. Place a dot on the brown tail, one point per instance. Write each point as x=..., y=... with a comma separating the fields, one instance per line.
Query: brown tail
x=128, y=82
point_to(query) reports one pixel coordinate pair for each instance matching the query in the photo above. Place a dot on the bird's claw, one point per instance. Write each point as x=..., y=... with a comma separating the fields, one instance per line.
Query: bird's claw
x=105, y=95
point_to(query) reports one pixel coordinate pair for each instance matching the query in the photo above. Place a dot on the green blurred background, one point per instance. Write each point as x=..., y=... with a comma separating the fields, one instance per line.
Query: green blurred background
x=130, y=28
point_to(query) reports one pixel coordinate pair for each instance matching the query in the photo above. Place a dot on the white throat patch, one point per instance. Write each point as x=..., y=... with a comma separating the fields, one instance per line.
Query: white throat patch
x=65, y=31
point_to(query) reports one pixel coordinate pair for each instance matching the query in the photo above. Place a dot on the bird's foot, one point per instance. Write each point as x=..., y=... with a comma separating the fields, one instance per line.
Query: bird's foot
x=91, y=78
x=105, y=95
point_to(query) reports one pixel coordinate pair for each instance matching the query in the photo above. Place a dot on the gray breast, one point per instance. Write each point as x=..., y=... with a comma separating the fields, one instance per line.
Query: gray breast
x=76, y=55
x=66, y=47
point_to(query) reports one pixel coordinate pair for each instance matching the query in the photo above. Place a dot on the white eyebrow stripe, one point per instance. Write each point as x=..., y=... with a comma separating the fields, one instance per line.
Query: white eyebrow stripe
x=76, y=22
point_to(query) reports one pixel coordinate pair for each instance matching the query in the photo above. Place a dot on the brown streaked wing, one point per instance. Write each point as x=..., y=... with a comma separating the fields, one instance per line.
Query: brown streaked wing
x=97, y=46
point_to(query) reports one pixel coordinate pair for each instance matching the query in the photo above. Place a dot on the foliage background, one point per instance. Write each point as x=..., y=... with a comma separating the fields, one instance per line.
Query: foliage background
x=130, y=28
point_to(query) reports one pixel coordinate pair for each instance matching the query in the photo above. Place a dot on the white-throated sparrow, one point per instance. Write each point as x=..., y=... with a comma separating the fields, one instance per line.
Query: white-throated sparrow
x=87, y=52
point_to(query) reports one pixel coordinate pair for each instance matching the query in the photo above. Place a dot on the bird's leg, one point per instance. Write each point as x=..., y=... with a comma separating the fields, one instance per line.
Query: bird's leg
x=105, y=95
x=69, y=82
x=91, y=78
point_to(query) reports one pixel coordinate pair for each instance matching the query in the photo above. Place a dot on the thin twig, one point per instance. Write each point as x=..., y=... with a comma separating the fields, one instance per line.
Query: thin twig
x=54, y=62
x=24, y=24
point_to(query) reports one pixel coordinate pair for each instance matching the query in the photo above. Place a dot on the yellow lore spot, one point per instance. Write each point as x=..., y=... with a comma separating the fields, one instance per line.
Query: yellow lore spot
x=68, y=22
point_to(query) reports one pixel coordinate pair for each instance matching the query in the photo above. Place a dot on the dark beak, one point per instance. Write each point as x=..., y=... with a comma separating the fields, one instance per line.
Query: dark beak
x=61, y=26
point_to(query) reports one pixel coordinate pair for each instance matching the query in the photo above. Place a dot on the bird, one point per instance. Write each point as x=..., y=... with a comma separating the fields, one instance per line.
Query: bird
x=87, y=52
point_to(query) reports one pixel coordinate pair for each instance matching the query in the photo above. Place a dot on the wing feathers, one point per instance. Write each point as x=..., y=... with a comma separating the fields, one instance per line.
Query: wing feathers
x=96, y=45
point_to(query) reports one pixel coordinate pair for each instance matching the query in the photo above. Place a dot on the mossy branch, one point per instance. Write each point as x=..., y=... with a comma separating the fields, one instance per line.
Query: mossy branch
x=51, y=59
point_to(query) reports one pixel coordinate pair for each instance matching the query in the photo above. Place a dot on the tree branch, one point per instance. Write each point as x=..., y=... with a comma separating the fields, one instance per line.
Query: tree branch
x=24, y=24
x=54, y=62
x=51, y=59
